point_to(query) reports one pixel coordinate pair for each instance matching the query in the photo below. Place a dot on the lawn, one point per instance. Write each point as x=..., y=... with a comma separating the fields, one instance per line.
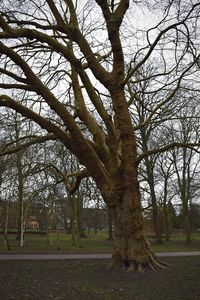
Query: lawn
x=89, y=279
x=93, y=243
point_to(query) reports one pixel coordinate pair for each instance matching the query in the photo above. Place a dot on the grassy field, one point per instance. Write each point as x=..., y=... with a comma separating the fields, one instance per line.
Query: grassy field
x=93, y=243
x=89, y=279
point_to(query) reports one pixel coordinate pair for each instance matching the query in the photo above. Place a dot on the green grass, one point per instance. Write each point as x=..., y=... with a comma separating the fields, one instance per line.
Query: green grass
x=177, y=244
x=92, y=243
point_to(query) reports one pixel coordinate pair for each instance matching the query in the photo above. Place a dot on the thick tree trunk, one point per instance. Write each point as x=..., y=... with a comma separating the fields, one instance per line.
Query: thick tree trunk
x=131, y=249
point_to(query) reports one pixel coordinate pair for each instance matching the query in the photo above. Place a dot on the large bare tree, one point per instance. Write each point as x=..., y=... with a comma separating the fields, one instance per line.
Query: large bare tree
x=74, y=65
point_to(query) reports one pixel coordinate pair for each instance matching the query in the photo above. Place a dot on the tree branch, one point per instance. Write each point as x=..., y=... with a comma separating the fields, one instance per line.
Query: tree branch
x=7, y=101
x=169, y=147
x=152, y=47
x=35, y=140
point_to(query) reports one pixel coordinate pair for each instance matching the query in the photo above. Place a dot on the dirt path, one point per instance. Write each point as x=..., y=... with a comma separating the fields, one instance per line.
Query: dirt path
x=82, y=256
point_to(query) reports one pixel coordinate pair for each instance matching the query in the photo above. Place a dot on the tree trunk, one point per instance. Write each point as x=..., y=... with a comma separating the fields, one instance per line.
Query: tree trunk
x=166, y=223
x=6, y=229
x=4, y=226
x=73, y=225
x=186, y=217
x=20, y=224
x=110, y=225
x=187, y=228
x=131, y=249
x=77, y=220
x=66, y=224
x=156, y=215
x=79, y=207
x=157, y=224
x=150, y=164
x=7, y=244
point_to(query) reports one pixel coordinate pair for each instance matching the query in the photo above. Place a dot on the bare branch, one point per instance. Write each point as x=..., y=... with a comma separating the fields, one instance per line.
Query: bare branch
x=156, y=41
x=35, y=140
x=169, y=147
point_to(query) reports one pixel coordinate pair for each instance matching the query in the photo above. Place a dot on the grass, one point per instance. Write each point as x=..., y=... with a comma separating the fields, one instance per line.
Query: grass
x=89, y=279
x=177, y=244
x=92, y=243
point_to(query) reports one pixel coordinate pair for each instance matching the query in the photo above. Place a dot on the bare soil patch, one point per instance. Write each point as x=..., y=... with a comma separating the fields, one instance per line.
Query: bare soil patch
x=89, y=279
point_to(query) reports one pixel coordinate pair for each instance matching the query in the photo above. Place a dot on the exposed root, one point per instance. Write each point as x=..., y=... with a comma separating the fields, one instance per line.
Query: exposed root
x=110, y=266
x=131, y=267
x=140, y=268
x=163, y=262
x=155, y=262
x=151, y=262
x=151, y=267
x=159, y=263
x=116, y=263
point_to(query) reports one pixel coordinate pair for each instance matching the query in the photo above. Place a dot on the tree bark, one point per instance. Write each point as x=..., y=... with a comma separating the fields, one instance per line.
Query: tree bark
x=79, y=207
x=4, y=226
x=131, y=249
x=156, y=216
x=186, y=221
x=166, y=222
x=20, y=223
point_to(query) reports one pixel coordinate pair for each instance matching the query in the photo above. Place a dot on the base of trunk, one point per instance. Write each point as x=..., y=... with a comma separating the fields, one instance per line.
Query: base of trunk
x=151, y=263
x=138, y=258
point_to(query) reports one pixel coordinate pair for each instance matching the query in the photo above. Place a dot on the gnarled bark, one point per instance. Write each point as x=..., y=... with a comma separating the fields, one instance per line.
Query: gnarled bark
x=131, y=249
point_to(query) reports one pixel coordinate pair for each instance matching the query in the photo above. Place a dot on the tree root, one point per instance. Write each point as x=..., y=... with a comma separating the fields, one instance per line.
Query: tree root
x=151, y=262
x=132, y=267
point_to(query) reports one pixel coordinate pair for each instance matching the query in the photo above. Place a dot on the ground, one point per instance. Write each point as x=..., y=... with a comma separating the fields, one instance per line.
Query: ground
x=89, y=280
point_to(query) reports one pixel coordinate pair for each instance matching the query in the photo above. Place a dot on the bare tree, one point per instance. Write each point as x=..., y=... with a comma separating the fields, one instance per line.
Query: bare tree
x=186, y=165
x=72, y=63
x=4, y=208
x=166, y=173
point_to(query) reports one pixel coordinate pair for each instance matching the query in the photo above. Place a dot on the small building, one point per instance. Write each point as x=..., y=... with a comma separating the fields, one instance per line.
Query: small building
x=32, y=222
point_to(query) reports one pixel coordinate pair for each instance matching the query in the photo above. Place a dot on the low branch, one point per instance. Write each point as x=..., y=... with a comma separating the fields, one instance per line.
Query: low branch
x=79, y=176
x=70, y=187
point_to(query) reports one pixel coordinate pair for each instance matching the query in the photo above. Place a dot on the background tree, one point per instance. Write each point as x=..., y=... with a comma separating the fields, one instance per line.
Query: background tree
x=186, y=165
x=166, y=196
x=195, y=216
